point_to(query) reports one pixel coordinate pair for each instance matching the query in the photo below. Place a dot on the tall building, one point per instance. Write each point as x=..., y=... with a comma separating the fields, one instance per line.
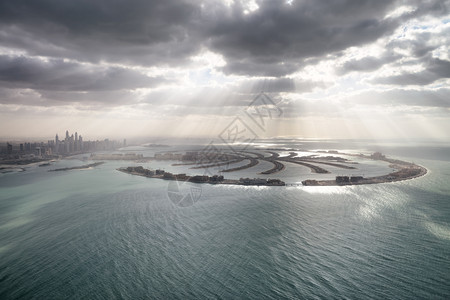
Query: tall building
x=80, y=142
x=56, y=144
x=75, y=144
x=8, y=148
x=66, y=143
x=71, y=144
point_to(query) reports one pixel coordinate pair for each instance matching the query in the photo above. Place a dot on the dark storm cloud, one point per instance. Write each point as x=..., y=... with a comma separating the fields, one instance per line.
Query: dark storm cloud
x=421, y=43
x=420, y=46
x=435, y=69
x=271, y=41
x=275, y=39
x=56, y=74
x=100, y=99
x=278, y=37
x=82, y=100
x=366, y=64
x=139, y=31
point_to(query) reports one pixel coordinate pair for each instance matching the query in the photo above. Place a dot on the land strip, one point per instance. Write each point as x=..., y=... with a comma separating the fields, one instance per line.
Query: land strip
x=78, y=167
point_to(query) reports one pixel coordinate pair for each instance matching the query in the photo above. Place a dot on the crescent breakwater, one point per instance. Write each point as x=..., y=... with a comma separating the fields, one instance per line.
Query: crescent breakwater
x=78, y=167
x=403, y=171
x=215, y=179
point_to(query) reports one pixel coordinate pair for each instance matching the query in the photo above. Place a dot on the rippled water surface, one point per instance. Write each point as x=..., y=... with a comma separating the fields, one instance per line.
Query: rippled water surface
x=103, y=234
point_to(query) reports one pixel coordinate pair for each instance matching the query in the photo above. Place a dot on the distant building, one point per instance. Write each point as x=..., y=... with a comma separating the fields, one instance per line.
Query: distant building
x=199, y=178
x=80, y=143
x=168, y=156
x=310, y=182
x=75, y=145
x=181, y=177
x=56, y=144
x=377, y=155
x=342, y=179
x=216, y=178
x=9, y=148
x=254, y=181
x=72, y=144
x=168, y=175
x=356, y=178
x=190, y=156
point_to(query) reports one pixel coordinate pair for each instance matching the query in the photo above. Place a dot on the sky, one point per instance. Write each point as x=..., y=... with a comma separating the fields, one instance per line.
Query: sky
x=345, y=69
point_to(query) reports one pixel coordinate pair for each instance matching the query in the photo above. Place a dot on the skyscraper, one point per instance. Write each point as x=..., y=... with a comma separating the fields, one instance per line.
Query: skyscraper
x=66, y=142
x=56, y=144
x=71, y=142
x=80, y=141
x=8, y=148
x=75, y=144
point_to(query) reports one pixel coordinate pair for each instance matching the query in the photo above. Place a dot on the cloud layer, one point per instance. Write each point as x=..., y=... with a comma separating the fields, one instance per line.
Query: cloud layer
x=98, y=54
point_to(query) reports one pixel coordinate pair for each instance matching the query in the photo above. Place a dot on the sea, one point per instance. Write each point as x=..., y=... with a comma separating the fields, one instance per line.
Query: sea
x=99, y=233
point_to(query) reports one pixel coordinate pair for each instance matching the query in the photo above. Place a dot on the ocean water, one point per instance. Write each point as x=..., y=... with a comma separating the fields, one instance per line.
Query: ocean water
x=103, y=234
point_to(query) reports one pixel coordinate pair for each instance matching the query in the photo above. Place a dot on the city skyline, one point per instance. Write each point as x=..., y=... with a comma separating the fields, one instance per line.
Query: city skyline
x=68, y=145
x=347, y=69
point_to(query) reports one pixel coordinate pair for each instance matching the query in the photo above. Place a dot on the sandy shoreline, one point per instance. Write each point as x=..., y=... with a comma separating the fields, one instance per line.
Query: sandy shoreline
x=403, y=171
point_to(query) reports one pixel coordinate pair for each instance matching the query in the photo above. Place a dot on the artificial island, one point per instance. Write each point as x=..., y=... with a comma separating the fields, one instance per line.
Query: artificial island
x=316, y=162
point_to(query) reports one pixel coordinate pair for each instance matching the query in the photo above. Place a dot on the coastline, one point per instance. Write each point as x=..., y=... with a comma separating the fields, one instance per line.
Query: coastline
x=78, y=167
x=403, y=171
x=139, y=171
